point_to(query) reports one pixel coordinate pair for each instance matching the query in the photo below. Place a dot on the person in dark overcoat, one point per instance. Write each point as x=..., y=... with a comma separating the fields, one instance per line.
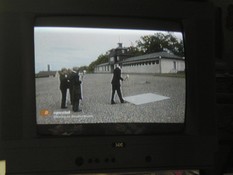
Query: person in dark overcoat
x=76, y=90
x=116, y=84
x=70, y=86
x=63, y=86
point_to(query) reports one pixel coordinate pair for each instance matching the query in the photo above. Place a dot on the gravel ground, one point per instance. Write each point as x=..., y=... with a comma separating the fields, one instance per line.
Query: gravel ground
x=96, y=107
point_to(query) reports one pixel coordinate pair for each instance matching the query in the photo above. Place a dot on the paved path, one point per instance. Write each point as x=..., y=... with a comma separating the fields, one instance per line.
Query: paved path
x=96, y=107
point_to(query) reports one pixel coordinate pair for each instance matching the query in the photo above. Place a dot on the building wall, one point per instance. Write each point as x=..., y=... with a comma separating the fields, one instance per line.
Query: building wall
x=172, y=66
x=141, y=68
x=103, y=69
x=159, y=66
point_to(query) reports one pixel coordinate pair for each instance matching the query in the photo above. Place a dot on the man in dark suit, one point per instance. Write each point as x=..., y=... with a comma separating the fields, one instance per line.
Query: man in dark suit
x=75, y=83
x=116, y=84
x=63, y=87
x=70, y=85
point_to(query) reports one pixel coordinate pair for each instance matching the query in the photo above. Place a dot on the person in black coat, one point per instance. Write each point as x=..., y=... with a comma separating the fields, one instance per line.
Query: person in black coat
x=70, y=86
x=116, y=84
x=76, y=90
x=63, y=86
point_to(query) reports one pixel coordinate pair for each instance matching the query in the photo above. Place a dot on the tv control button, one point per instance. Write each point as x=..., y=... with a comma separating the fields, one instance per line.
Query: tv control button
x=79, y=161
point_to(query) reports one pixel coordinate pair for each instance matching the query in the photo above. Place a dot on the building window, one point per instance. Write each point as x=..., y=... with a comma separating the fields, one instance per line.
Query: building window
x=174, y=65
x=112, y=59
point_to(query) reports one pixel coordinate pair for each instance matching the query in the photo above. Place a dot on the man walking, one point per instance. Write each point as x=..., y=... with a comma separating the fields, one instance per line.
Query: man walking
x=116, y=84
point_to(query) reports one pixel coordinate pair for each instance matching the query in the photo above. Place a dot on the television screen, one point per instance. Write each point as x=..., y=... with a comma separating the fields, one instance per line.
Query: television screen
x=107, y=76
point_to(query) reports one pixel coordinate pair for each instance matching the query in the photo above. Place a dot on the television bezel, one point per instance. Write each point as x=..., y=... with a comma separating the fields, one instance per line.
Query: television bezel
x=25, y=152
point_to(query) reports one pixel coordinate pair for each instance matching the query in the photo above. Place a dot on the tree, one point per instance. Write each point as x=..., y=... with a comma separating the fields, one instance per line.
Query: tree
x=83, y=68
x=159, y=42
x=103, y=58
x=134, y=51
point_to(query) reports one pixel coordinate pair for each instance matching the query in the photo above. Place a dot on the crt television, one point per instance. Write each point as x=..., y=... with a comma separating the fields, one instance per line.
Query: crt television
x=167, y=120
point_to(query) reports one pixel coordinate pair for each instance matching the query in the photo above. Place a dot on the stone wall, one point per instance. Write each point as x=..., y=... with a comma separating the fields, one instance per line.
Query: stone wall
x=103, y=69
x=141, y=68
x=172, y=66
x=152, y=67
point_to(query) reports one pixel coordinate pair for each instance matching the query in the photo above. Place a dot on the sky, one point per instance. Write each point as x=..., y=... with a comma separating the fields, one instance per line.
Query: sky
x=66, y=47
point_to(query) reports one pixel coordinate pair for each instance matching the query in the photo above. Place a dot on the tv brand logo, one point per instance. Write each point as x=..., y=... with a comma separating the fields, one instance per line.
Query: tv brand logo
x=118, y=144
x=45, y=113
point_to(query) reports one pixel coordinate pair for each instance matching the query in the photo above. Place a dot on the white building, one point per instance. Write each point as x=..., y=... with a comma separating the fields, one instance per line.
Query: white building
x=159, y=62
x=103, y=68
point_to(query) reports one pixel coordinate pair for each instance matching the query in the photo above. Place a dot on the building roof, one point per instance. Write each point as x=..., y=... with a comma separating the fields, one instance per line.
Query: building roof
x=148, y=57
x=103, y=64
x=153, y=56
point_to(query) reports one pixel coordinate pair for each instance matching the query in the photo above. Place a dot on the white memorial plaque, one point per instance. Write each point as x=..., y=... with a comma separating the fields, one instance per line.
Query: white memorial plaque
x=144, y=98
